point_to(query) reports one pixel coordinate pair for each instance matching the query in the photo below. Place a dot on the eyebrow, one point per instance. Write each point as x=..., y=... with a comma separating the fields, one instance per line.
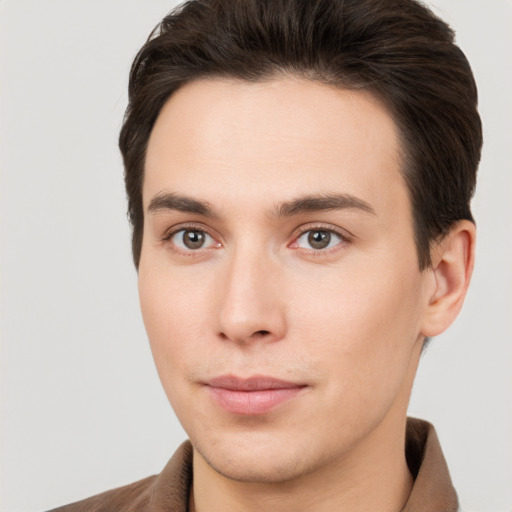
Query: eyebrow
x=305, y=204
x=322, y=202
x=171, y=201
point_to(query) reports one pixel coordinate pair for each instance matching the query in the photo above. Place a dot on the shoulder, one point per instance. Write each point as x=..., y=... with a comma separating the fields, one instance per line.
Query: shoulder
x=164, y=492
x=129, y=498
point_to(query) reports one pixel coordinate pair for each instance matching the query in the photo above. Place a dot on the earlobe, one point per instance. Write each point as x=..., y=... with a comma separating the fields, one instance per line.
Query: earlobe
x=452, y=266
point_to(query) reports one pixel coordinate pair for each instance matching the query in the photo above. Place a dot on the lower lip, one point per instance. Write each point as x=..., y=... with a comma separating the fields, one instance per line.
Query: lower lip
x=252, y=402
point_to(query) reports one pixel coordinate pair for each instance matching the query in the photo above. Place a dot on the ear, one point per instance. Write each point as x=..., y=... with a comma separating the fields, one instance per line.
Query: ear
x=452, y=265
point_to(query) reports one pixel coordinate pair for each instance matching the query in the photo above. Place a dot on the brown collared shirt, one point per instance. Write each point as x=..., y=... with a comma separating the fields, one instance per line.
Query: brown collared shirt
x=169, y=491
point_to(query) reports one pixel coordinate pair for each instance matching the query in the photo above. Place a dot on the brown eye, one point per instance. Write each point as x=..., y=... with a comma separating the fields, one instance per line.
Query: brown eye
x=319, y=239
x=193, y=239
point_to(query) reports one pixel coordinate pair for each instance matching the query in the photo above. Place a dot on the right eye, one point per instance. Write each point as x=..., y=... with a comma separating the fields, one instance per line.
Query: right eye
x=192, y=240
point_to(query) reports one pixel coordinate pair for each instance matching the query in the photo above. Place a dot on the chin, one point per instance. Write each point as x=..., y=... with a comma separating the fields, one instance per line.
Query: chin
x=259, y=457
x=250, y=467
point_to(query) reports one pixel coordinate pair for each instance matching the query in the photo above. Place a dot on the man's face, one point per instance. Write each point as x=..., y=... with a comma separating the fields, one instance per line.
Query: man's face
x=279, y=279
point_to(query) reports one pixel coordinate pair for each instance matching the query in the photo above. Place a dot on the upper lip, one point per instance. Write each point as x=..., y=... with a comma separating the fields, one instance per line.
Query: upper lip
x=255, y=383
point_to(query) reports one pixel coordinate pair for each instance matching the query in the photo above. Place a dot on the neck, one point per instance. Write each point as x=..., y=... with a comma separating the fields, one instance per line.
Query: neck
x=373, y=476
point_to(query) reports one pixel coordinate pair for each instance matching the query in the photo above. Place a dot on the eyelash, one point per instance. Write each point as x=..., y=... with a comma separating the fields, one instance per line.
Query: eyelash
x=168, y=235
x=344, y=239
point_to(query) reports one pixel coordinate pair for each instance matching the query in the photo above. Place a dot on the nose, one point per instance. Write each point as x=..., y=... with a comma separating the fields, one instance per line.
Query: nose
x=252, y=301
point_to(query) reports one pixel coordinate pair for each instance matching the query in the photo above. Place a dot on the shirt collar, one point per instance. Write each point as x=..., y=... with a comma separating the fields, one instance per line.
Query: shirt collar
x=432, y=491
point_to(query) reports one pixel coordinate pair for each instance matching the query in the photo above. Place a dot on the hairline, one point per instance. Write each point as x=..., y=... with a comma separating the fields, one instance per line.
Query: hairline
x=404, y=151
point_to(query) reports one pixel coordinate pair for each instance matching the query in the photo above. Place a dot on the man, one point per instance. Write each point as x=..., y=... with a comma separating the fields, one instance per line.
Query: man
x=299, y=177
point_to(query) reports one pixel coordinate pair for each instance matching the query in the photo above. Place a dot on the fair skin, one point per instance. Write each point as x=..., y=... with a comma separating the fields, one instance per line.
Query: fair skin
x=278, y=244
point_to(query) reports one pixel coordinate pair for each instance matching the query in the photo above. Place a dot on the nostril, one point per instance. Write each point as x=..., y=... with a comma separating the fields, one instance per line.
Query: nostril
x=255, y=334
x=245, y=336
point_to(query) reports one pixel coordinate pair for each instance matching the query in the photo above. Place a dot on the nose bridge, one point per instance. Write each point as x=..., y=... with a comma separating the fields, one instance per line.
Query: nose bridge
x=251, y=306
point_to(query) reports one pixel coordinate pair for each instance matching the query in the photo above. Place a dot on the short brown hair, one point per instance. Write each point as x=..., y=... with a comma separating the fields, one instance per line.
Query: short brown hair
x=396, y=49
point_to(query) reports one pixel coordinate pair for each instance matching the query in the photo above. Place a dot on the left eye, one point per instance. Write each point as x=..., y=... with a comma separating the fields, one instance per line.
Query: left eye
x=318, y=239
x=192, y=240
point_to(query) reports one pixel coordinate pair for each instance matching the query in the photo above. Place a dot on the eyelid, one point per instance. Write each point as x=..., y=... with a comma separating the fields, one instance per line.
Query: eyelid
x=193, y=226
x=173, y=230
x=321, y=226
x=345, y=236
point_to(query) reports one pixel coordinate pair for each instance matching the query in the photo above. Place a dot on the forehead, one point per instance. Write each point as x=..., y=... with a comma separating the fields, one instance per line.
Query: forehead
x=273, y=140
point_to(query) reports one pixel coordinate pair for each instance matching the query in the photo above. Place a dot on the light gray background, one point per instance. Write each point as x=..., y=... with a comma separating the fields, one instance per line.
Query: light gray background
x=82, y=408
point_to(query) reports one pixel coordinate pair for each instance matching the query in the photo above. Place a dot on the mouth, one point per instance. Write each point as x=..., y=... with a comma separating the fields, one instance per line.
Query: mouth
x=253, y=396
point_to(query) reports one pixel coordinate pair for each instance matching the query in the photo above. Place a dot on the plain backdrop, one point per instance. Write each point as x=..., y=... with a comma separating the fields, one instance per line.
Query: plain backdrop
x=82, y=409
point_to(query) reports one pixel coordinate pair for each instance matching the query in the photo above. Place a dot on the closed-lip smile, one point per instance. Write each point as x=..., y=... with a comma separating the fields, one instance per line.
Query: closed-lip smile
x=251, y=396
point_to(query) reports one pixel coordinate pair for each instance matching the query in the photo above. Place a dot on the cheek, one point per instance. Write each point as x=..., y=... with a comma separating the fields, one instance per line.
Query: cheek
x=171, y=310
x=361, y=327
x=355, y=303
